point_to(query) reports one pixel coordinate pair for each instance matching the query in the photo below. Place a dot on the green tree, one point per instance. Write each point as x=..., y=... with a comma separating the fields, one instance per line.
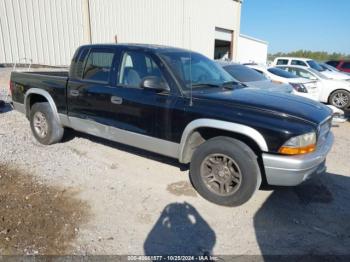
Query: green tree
x=316, y=55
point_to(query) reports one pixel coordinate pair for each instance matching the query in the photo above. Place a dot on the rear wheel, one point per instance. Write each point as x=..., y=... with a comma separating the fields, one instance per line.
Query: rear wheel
x=225, y=171
x=45, y=127
x=340, y=99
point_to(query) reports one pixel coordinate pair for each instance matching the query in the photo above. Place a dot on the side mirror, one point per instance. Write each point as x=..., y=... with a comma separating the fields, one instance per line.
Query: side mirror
x=154, y=83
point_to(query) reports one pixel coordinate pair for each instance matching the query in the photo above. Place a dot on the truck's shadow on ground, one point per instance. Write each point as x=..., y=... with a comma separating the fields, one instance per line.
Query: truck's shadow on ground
x=5, y=107
x=309, y=219
x=180, y=230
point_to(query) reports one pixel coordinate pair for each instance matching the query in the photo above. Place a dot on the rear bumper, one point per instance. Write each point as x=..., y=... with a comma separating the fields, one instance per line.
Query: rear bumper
x=19, y=107
x=293, y=170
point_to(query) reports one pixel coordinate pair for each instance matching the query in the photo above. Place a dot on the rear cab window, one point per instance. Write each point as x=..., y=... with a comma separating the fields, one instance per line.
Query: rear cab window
x=98, y=65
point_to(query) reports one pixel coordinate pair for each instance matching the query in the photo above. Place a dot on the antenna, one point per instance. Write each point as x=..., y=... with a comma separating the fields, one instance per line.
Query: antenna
x=190, y=52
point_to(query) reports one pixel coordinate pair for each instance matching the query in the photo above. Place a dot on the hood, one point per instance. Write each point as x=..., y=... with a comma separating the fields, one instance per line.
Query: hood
x=335, y=75
x=268, y=85
x=276, y=103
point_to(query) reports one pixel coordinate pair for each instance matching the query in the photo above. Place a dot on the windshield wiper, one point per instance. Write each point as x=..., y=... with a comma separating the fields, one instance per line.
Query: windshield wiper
x=231, y=84
x=206, y=84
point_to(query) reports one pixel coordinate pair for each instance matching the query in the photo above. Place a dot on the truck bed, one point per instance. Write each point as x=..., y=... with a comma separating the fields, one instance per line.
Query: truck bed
x=53, y=82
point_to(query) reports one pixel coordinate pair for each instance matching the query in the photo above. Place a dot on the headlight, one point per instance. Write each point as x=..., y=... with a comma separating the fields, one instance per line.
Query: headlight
x=299, y=145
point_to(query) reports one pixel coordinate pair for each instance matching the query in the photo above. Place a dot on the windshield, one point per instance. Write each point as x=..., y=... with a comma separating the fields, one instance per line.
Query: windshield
x=281, y=73
x=318, y=73
x=315, y=66
x=329, y=67
x=244, y=73
x=196, y=69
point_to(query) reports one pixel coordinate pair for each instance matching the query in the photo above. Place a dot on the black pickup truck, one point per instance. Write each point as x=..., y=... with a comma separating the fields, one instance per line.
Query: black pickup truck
x=182, y=105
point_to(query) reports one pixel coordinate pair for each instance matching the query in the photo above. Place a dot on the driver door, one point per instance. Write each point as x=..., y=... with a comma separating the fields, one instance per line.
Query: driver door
x=134, y=108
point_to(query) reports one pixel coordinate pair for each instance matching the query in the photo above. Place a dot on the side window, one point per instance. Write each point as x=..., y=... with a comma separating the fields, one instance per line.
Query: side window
x=298, y=63
x=304, y=74
x=77, y=63
x=282, y=62
x=136, y=66
x=293, y=71
x=346, y=65
x=98, y=65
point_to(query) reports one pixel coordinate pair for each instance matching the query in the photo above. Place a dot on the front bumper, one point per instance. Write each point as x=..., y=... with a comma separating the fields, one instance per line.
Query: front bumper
x=293, y=170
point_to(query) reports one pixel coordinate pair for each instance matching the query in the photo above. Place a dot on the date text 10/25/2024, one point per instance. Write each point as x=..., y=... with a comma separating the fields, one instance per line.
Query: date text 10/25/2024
x=173, y=258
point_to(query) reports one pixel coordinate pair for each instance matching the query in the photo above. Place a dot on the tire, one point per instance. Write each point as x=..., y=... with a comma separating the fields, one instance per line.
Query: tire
x=241, y=160
x=45, y=127
x=340, y=99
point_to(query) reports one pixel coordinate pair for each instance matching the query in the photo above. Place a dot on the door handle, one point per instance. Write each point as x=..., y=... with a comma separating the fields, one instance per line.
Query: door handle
x=74, y=92
x=116, y=100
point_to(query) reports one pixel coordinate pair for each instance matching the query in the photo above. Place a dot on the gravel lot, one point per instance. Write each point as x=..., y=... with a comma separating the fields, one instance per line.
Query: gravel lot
x=132, y=202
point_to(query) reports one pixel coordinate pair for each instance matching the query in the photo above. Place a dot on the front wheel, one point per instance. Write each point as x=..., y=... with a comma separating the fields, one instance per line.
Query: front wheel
x=340, y=99
x=225, y=171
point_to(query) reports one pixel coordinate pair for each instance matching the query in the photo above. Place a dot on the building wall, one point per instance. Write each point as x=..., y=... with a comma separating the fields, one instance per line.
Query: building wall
x=180, y=23
x=48, y=32
x=251, y=50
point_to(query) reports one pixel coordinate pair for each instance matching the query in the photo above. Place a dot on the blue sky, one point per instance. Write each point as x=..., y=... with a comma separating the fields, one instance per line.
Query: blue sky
x=290, y=25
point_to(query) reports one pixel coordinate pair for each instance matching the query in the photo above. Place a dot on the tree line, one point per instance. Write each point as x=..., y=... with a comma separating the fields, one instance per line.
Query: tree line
x=316, y=55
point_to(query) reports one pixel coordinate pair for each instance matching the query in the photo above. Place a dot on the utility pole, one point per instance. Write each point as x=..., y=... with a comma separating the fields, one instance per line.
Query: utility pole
x=86, y=22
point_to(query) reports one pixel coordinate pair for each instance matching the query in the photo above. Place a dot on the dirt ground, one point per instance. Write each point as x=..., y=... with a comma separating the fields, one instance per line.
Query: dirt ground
x=91, y=196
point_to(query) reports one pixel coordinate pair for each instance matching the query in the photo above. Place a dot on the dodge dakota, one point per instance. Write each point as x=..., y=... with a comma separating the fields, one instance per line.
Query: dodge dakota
x=180, y=104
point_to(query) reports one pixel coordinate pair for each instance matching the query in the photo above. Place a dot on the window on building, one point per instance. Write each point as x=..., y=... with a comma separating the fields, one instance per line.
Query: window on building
x=98, y=65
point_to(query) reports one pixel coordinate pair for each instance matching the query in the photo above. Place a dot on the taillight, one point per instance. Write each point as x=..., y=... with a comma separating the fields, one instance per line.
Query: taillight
x=11, y=86
x=299, y=87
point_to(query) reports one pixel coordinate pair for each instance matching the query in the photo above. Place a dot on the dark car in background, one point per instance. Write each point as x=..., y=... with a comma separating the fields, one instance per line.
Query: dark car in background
x=342, y=65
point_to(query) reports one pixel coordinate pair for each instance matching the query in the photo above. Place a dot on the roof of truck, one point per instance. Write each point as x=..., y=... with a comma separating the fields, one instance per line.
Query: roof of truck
x=152, y=47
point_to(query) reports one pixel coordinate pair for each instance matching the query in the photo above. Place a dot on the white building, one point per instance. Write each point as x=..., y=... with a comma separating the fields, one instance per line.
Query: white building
x=47, y=32
x=251, y=50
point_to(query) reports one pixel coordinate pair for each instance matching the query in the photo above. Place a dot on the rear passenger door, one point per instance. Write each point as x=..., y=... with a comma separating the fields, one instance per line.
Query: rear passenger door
x=88, y=92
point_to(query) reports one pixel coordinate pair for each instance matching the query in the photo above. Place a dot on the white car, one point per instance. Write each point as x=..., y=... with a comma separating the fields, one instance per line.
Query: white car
x=309, y=63
x=334, y=92
x=302, y=86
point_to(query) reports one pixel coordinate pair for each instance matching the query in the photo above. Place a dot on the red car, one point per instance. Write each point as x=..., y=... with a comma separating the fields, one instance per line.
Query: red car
x=340, y=65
